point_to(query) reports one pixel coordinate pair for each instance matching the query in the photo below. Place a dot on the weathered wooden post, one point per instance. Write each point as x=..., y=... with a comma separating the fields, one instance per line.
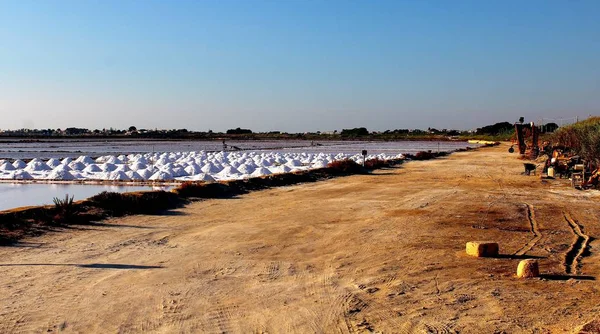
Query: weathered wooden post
x=520, y=138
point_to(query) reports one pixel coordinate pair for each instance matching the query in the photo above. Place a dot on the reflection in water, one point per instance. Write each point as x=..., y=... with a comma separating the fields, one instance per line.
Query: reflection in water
x=13, y=195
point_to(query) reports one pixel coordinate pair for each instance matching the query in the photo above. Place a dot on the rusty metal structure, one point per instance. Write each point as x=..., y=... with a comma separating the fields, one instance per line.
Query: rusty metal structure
x=522, y=133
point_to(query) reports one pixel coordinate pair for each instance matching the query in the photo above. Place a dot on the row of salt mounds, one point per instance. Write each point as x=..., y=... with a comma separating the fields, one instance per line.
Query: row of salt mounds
x=19, y=175
x=171, y=166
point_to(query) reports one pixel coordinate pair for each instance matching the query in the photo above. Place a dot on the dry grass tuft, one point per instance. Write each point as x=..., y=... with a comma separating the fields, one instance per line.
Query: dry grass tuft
x=583, y=137
x=345, y=166
x=376, y=163
x=64, y=208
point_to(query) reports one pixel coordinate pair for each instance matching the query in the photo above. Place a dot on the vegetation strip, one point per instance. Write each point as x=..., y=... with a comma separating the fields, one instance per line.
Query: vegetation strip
x=583, y=137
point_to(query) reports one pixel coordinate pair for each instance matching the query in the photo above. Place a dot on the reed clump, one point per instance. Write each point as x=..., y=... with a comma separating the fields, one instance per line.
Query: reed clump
x=64, y=209
x=582, y=137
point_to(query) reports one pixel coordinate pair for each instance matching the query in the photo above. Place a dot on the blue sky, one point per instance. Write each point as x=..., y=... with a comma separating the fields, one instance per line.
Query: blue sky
x=296, y=65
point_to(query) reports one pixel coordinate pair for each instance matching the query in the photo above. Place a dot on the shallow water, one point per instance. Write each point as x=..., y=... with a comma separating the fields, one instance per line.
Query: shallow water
x=47, y=149
x=379, y=147
x=18, y=195
x=74, y=148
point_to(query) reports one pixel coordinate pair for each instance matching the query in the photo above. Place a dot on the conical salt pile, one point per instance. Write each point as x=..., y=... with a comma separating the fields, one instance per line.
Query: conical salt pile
x=60, y=174
x=7, y=167
x=21, y=175
x=260, y=171
x=203, y=177
x=161, y=176
x=19, y=164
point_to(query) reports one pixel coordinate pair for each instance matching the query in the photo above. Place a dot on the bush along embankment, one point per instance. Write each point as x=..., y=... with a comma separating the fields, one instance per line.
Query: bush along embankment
x=582, y=137
x=18, y=223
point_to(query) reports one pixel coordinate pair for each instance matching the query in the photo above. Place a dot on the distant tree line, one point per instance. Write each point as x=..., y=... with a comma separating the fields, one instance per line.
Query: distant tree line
x=502, y=130
x=356, y=132
x=238, y=131
x=507, y=128
x=495, y=129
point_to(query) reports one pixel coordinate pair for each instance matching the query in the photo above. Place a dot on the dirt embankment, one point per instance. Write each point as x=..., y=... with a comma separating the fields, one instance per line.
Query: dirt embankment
x=381, y=252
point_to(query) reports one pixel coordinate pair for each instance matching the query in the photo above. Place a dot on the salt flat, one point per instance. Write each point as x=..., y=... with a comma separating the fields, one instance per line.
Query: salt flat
x=381, y=252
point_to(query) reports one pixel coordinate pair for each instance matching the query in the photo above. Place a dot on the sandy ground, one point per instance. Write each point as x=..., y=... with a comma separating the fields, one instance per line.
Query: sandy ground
x=381, y=253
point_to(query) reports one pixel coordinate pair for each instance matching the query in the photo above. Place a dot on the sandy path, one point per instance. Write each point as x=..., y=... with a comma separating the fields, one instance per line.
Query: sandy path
x=379, y=252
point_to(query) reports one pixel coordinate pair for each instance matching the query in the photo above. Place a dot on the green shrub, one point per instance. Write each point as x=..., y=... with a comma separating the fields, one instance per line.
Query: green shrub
x=64, y=209
x=582, y=137
x=63, y=204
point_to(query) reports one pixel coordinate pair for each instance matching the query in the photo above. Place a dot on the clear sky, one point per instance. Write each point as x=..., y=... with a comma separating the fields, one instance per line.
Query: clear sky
x=296, y=65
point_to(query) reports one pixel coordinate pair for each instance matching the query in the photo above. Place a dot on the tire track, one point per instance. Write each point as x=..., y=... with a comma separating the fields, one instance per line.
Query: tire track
x=438, y=328
x=534, y=228
x=223, y=319
x=362, y=313
x=325, y=284
x=13, y=323
x=271, y=272
x=578, y=247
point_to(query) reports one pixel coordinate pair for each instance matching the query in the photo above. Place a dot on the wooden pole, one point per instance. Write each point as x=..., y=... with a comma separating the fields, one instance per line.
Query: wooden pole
x=520, y=139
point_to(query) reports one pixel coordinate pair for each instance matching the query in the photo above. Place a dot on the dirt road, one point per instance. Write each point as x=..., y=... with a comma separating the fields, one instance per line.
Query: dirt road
x=381, y=252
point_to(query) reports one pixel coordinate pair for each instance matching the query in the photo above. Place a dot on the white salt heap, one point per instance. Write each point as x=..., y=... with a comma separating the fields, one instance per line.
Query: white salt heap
x=53, y=162
x=161, y=176
x=108, y=167
x=19, y=164
x=228, y=173
x=169, y=166
x=202, y=177
x=77, y=165
x=193, y=169
x=145, y=174
x=134, y=176
x=62, y=168
x=37, y=166
x=92, y=168
x=7, y=166
x=60, y=174
x=319, y=164
x=21, y=175
x=260, y=171
x=118, y=176
x=280, y=169
x=246, y=169
x=85, y=160
x=210, y=168
x=138, y=165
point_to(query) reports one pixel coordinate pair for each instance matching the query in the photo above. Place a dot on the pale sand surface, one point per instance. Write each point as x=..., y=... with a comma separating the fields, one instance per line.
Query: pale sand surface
x=382, y=253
